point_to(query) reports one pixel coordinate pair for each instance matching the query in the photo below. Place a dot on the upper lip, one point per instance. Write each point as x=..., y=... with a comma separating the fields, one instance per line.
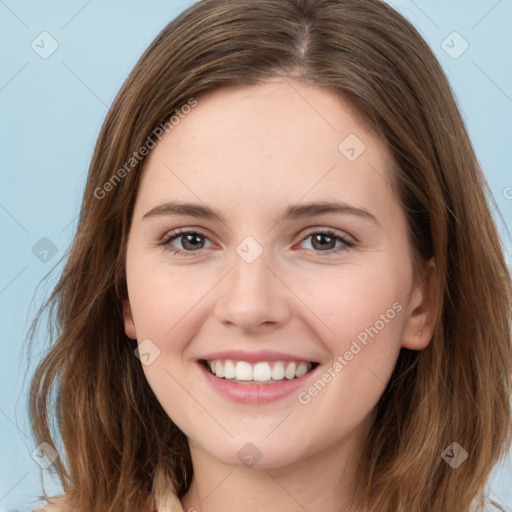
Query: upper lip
x=254, y=357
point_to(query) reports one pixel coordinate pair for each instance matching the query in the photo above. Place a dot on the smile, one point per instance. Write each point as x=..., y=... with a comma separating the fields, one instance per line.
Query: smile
x=263, y=372
x=257, y=382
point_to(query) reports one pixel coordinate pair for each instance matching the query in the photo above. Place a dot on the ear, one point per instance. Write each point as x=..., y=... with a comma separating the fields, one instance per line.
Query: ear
x=129, y=325
x=422, y=312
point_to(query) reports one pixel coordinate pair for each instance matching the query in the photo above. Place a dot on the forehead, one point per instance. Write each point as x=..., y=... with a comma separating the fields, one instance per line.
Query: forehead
x=280, y=139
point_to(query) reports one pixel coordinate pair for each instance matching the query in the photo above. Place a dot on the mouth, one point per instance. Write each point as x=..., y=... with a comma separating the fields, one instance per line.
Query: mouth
x=259, y=373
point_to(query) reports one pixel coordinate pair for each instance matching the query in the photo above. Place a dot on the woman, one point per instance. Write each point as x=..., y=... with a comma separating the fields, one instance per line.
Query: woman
x=286, y=291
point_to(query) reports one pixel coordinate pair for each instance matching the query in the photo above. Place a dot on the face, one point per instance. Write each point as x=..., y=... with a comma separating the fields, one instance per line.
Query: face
x=291, y=257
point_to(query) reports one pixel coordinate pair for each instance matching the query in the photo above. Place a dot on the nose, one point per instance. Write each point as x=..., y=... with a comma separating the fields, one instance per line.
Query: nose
x=253, y=297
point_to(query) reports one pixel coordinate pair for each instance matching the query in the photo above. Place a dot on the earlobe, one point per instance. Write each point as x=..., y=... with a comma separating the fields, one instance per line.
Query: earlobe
x=422, y=311
x=129, y=325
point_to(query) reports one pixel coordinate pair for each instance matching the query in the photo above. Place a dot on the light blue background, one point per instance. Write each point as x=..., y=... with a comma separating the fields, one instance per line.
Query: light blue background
x=51, y=111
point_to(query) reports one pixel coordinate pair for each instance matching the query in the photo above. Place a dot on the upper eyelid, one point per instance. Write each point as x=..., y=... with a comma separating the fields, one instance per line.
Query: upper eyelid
x=176, y=233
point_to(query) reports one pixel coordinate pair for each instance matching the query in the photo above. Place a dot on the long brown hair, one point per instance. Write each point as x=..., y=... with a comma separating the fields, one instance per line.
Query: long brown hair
x=122, y=451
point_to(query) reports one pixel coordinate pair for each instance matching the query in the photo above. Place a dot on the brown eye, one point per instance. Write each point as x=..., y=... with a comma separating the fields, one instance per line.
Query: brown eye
x=322, y=241
x=191, y=241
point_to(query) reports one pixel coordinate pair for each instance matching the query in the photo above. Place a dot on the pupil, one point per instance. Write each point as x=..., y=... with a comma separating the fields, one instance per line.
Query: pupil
x=323, y=238
x=187, y=240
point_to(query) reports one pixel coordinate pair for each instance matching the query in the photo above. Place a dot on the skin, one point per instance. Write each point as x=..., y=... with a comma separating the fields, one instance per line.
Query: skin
x=248, y=152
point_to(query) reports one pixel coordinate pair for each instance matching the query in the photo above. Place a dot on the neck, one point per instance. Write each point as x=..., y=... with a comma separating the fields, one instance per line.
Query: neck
x=325, y=481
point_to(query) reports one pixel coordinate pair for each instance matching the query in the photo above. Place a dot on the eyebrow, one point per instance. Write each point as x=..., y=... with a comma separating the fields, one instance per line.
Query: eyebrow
x=297, y=211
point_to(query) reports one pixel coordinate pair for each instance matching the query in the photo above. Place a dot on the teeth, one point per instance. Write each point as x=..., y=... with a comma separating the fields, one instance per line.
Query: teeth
x=278, y=371
x=262, y=372
x=259, y=372
x=243, y=370
x=229, y=370
x=302, y=369
x=219, y=369
x=289, y=373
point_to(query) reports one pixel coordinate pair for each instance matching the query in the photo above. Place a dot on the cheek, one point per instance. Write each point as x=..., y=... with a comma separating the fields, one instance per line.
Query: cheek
x=161, y=297
x=356, y=302
x=364, y=310
x=165, y=303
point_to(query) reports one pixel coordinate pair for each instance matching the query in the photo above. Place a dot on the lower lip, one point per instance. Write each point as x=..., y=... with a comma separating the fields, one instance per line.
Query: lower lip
x=254, y=393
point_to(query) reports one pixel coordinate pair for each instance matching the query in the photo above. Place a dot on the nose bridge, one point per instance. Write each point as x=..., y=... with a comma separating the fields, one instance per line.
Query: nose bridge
x=251, y=294
x=251, y=269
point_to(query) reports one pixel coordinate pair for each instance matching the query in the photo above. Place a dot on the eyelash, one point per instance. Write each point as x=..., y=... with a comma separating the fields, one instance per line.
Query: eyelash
x=173, y=235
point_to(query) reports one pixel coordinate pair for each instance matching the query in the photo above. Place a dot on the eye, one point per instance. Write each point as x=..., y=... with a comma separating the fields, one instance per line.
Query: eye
x=191, y=241
x=325, y=241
